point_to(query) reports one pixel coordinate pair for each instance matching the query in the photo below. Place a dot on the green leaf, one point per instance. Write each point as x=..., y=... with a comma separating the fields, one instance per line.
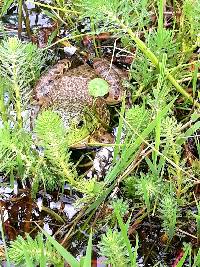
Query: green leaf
x=197, y=259
x=87, y=259
x=119, y=131
x=135, y=251
x=123, y=228
x=63, y=252
x=6, y=6
x=195, y=116
x=28, y=260
x=182, y=260
x=41, y=245
x=98, y=87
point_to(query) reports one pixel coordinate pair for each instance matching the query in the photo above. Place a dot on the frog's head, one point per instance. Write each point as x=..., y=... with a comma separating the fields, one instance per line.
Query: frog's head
x=86, y=132
x=79, y=129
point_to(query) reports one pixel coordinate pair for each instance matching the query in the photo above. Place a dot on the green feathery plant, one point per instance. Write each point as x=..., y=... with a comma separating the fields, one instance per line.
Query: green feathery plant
x=91, y=189
x=189, y=25
x=31, y=252
x=121, y=206
x=147, y=187
x=171, y=131
x=123, y=16
x=20, y=65
x=20, y=159
x=15, y=153
x=132, y=13
x=136, y=120
x=159, y=93
x=53, y=138
x=129, y=152
x=169, y=214
x=5, y=5
x=196, y=167
x=49, y=164
x=129, y=186
x=4, y=103
x=158, y=101
x=23, y=252
x=112, y=247
x=115, y=245
x=143, y=73
x=126, y=16
x=164, y=47
x=51, y=134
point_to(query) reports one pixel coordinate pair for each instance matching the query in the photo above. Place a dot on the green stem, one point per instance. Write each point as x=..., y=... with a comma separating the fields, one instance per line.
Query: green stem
x=138, y=93
x=161, y=17
x=20, y=2
x=93, y=37
x=53, y=214
x=27, y=20
x=16, y=90
x=157, y=139
x=18, y=103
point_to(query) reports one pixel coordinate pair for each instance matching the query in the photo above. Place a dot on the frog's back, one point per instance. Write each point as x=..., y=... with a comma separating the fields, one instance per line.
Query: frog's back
x=70, y=96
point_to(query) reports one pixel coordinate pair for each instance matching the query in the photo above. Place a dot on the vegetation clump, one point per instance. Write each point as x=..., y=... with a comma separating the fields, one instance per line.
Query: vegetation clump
x=154, y=174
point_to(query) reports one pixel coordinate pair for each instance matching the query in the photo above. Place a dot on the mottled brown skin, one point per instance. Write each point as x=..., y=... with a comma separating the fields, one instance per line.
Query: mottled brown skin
x=65, y=89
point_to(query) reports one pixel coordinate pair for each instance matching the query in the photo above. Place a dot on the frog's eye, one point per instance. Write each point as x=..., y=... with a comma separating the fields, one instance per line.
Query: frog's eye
x=105, y=96
x=58, y=73
x=80, y=124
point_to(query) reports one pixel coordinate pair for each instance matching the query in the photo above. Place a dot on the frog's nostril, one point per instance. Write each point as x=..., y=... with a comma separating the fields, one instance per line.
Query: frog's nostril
x=35, y=97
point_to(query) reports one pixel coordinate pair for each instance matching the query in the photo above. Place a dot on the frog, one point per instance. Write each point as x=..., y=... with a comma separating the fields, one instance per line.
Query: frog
x=64, y=90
